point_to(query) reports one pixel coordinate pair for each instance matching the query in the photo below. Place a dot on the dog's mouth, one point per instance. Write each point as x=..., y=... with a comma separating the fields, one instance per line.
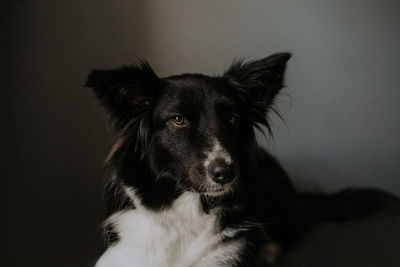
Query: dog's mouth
x=215, y=190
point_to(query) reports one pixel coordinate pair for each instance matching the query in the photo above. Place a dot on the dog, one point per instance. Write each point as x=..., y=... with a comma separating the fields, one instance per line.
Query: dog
x=190, y=186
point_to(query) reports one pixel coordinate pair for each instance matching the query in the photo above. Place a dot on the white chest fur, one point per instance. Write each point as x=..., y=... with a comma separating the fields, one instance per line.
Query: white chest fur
x=180, y=236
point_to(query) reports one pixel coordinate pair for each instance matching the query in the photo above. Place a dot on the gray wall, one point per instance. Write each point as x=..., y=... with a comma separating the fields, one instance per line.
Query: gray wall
x=340, y=104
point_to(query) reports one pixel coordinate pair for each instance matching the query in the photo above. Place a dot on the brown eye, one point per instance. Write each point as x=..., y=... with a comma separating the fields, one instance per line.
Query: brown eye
x=178, y=120
x=233, y=119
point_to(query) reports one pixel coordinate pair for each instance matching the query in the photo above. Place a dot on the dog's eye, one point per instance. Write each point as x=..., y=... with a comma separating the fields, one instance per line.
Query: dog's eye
x=178, y=120
x=233, y=118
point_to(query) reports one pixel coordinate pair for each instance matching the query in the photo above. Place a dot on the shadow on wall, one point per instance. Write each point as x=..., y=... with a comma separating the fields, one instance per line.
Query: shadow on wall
x=55, y=139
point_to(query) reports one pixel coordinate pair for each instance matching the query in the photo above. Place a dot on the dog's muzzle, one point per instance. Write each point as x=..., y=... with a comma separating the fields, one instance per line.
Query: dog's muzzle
x=221, y=172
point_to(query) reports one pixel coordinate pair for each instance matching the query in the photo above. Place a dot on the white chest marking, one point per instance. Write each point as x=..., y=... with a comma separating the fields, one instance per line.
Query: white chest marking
x=180, y=236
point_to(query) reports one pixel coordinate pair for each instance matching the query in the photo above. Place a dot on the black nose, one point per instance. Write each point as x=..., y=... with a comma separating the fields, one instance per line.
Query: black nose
x=221, y=172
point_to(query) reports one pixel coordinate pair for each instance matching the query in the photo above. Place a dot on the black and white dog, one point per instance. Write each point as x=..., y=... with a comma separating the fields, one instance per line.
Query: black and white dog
x=189, y=184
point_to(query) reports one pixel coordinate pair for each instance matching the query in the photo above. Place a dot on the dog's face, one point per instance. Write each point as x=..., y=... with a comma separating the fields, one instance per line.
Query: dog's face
x=196, y=132
x=190, y=128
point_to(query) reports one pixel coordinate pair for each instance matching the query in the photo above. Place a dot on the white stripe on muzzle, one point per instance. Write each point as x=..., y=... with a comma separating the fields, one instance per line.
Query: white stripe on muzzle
x=217, y=152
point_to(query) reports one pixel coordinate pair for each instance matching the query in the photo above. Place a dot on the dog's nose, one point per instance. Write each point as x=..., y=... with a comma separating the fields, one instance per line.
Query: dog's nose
x=221, y=172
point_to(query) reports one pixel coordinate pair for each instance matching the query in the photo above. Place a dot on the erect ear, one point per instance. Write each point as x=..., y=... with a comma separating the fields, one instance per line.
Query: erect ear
x=125, y=92
x=258, y=82
x=261, y=79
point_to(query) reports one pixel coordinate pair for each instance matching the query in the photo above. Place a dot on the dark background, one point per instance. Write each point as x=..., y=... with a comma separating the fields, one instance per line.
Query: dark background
x=340, y=106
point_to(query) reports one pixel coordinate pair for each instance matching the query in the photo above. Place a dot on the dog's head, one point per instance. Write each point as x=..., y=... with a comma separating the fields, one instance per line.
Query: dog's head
x=192, y=129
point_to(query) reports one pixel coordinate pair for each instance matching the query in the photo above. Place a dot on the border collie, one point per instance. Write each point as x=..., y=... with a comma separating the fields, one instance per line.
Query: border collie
x=189, y=185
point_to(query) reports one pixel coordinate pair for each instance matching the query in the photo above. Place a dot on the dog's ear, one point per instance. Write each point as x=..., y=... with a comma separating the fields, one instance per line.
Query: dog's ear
x=258, y=82
x=262, y=79
x=125, y=92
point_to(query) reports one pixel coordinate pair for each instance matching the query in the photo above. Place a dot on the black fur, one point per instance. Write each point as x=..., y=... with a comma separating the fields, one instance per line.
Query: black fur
x=161, y=159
